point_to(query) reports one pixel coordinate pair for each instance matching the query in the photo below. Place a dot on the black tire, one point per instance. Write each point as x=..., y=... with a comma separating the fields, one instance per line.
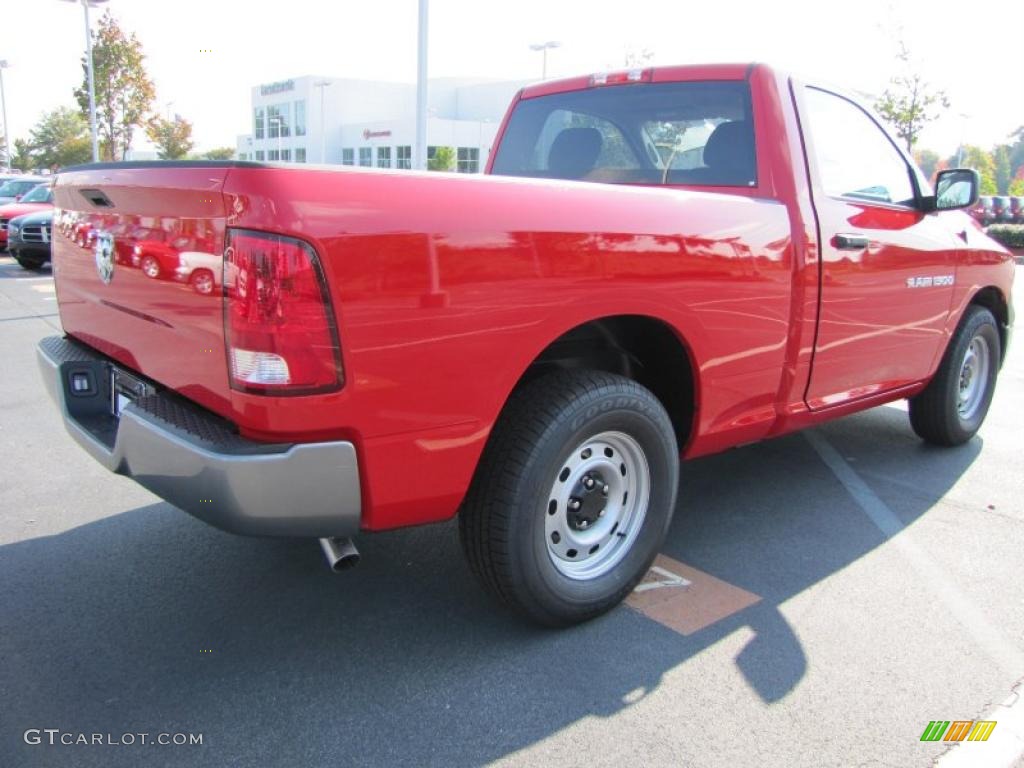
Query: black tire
x=502, y=521
x=935, y=413
x=33, y=263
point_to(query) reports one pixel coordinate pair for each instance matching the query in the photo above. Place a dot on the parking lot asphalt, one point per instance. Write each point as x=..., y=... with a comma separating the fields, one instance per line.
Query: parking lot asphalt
x=846, y=586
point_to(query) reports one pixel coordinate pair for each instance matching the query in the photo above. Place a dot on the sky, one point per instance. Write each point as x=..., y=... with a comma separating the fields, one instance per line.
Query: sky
x=205, y=55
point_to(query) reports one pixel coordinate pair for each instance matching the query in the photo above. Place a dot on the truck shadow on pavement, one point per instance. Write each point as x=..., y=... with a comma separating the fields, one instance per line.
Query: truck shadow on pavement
x=149, y=621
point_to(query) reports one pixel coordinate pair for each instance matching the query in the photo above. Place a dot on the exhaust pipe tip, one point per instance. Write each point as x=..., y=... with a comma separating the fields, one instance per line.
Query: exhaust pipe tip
x=340, y=552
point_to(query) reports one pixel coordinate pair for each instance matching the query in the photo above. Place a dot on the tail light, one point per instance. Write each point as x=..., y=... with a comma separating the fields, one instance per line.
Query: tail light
x=279, y=330
x=625, y=76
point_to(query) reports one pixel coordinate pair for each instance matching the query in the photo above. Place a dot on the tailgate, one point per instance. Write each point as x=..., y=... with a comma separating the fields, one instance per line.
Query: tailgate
x=137, y=258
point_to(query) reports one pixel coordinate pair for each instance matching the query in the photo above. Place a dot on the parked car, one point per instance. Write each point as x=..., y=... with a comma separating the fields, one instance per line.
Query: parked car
x=1017, y=209
x=13, y=190
x=39, y=198
x=533, y=353
x=1001, y=212
x=981, y=211
x=29, y=238
x=182, y=259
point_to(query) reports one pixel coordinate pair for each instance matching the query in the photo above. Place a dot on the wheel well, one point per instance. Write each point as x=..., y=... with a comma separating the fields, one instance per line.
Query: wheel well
x=641, y=348
x=991, y=298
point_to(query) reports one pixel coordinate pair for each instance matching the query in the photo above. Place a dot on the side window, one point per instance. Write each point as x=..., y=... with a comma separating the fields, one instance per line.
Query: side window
x=855, y=157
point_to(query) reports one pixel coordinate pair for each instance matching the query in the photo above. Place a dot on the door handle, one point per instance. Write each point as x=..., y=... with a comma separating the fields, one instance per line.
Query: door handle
x=849, y=242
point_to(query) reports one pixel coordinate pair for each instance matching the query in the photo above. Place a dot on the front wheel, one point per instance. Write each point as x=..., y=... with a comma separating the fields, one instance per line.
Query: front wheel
x=573, y=495
x=951, y=409
x=34, y=263
x=150, y=267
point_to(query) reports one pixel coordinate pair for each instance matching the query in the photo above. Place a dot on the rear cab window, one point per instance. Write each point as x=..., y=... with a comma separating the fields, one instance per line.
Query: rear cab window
x=696, y=133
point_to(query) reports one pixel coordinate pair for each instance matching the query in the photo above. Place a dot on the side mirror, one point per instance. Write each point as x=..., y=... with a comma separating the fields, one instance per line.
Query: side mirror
x=954, y=188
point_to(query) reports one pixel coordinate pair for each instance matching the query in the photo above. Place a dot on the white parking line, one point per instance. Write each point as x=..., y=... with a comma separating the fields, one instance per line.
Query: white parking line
x=1009, y=657
x=1003, y=748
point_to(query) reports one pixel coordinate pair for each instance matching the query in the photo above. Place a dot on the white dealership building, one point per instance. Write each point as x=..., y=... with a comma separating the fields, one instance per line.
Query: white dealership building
x=364, y=122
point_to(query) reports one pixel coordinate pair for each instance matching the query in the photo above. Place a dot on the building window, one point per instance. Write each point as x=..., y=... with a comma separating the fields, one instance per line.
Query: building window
x=366, y=156
x=286, y=155
x=273, y=155
x=259, y=155
x=300, y=118
x=468, y=160
x=257, y=120
x=348, y=156
x=383, y=157
x=403, y=157
x=243, y=156
x=300, y=155
x=279, y=120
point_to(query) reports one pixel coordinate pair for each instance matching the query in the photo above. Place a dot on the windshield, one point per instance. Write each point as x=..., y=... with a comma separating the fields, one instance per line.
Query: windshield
x=697, y=133
x=41, y=194
x=15, y=188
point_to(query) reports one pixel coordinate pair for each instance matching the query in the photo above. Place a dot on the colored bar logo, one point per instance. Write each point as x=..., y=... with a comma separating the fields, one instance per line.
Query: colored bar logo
x=958, y=730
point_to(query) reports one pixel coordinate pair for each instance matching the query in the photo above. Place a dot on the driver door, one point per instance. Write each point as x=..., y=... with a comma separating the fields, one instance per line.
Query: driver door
x=887, y=268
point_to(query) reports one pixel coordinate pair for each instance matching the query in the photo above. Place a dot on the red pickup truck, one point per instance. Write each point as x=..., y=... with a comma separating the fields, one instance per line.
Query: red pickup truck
x=658, y=264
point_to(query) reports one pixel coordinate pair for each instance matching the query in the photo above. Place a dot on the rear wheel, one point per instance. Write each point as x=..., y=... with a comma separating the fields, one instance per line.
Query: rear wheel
x=951, y=409
x=202, y=281
x=573, y=495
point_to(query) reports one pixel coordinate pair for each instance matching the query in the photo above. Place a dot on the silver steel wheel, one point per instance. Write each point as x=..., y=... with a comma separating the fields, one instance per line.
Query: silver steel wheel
x=973, y=378
x=150, y=267
x=203, y=283
x=597, y=505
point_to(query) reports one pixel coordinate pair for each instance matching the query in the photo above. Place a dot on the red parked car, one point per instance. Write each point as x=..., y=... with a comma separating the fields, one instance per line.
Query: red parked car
x=184, y=259
x=37, y=199
x=659, y=264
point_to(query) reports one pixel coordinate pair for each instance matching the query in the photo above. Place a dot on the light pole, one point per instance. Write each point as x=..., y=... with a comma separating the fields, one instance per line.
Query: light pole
x=543, y=48
x=86, y=5
x=280, y=121
x=7, y=126
x=959, y=149
x=321, y=84
x=168, y=105
x=419, y=157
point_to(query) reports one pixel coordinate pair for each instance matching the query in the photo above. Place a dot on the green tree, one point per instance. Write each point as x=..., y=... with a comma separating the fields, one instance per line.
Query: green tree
x=220, y=153
x=173, y=138
x=124, y=92
x=638, y=58
x=21, y=157
x=1016, y=187
x=443, y=159
x=1017, y=151
x=927, y=161
x=981, y=161
x=1003, y=171
x=59, y=139
x=909, y=103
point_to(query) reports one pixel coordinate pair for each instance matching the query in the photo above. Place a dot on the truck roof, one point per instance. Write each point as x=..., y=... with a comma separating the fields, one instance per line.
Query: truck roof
x=666, y=74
